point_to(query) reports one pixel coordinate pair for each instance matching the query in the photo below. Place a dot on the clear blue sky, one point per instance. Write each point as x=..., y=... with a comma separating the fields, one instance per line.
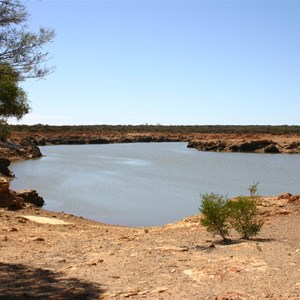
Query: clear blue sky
x=168, y=62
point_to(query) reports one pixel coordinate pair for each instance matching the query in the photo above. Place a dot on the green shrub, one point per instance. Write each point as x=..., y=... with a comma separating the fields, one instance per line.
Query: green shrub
x=215, y=214
x=243, y=216
x=253, y=189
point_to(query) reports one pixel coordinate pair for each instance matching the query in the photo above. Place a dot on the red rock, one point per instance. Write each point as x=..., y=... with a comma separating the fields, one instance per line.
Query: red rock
x=285, y=196
x=294, y=198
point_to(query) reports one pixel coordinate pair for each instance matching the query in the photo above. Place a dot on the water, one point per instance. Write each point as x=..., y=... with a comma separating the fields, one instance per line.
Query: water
x=147, y=184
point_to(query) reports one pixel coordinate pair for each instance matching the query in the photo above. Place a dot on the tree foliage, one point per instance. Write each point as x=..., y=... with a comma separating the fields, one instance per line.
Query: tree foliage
x=219, y=215
x=13, y=99
x=244, y=217
x=20, y=48
x=215, y=214
x=21, y=57
x=164, y=129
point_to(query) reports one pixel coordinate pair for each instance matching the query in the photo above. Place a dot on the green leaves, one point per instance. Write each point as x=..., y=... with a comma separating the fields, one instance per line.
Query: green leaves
x=244, y=217
x=20, y=48
x=13, y=99
x=215, y=214
x=219, y=215
x=21, y=57
x=253, y=189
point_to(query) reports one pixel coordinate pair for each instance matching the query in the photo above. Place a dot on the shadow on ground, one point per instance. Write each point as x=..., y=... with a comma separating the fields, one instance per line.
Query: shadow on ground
x=212, y=246
x=19, y=281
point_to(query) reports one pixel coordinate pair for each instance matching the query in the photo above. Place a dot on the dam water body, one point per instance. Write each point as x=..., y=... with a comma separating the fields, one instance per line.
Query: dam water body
x=148, y=184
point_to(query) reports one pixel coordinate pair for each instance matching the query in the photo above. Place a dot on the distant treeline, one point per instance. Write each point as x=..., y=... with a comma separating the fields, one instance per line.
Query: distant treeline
x=183, y=129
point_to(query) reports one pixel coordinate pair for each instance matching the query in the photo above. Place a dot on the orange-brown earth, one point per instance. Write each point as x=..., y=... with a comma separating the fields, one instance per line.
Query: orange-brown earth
x=81, y=259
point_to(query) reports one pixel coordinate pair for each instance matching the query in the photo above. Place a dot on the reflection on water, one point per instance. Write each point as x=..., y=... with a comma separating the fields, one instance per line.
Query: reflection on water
x=148, y=184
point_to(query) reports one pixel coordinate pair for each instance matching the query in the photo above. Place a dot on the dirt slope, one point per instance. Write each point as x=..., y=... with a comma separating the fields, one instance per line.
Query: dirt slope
x=88, y=260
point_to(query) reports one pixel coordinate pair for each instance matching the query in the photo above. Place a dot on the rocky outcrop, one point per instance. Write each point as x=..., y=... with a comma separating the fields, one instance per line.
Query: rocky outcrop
x=19, y=149
x=4, y=164
x=98, y=139
x=4, y=185
x=8, y=198
x=31, y=196
x=290, y=198
x=16, y=200
x=263, y=143
x=11, y=201
x=258, y=145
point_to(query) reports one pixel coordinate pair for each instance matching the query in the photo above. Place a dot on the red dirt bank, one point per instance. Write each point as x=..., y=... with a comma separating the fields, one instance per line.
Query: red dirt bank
x=88, y=260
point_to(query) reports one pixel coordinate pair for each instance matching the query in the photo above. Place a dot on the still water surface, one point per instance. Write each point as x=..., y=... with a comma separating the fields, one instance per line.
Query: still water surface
x=146, y=184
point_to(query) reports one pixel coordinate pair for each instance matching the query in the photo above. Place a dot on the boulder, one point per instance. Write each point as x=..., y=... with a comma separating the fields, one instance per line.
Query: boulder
x=4, y=164
x=17, y=200
x=4, y=185
x=254, y=145
x=271, y=149
x=294, y=199
x=234, y=148
x=11, y=201
x=31, y=196
x=285, y=196
x=8, y=198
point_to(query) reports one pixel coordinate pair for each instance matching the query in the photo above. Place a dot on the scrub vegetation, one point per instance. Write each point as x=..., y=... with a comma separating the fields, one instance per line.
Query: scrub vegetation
x=219, y=214
x=21, y=58
x=180, y=129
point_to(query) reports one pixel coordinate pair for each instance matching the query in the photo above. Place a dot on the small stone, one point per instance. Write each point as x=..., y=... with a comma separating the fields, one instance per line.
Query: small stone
x=39, y=239
x=143, y=293
x=159, y=290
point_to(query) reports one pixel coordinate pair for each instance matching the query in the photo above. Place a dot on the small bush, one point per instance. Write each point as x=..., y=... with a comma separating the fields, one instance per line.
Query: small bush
x=215, y=214
x=243, y=215
x=253, y=189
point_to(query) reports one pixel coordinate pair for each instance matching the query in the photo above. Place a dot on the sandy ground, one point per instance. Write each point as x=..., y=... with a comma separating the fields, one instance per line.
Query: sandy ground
x=44, y=258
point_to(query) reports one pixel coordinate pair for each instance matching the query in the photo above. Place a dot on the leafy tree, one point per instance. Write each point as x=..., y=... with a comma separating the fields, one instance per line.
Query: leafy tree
x=13, y=99
x=243, y=214
x=21, y=57
x=215, y=214
x=20, y=48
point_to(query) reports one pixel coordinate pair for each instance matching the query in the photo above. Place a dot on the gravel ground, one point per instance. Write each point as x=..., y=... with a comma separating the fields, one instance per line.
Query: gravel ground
x=88, y=260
